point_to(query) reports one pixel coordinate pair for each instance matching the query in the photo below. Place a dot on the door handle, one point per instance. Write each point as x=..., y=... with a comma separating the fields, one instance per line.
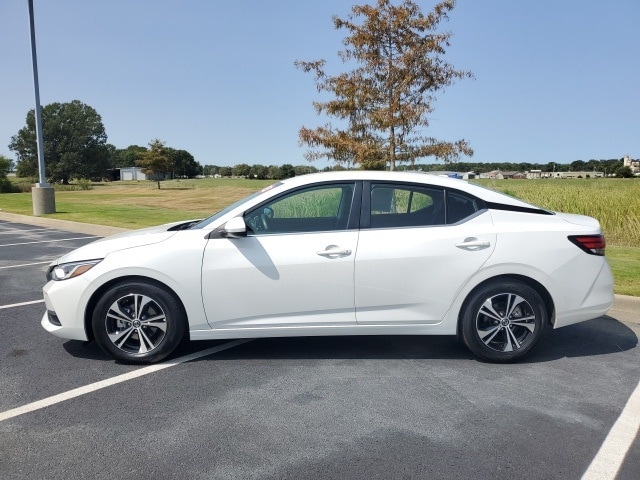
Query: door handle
x=473, y=244
x=333, y=251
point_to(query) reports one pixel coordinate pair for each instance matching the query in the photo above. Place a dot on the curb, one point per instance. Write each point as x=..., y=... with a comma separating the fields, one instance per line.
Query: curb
x=624, y=306
x=67, y=225
x=628, y=304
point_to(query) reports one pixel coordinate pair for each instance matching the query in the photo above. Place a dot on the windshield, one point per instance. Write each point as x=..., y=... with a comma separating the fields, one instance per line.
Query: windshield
x=226, y=210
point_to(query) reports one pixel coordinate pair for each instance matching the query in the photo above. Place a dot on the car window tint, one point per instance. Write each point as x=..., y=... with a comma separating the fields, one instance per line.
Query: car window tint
x=460, y=206
x=308, y=210
x=406, y=206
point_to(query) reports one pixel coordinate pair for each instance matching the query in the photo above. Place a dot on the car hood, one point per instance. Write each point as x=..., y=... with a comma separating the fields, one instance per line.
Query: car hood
x=582, y=220
x=135, y=238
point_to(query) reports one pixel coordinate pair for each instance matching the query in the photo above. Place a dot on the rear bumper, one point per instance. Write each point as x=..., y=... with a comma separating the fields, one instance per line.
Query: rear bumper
x=596, y=303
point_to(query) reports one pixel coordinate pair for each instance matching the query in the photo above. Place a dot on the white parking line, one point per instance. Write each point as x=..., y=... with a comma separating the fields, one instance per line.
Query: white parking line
x=26, y=265
x=77, y=392
x=609, y=458
x=47, y=241
x=2, y=307
x=16, y=230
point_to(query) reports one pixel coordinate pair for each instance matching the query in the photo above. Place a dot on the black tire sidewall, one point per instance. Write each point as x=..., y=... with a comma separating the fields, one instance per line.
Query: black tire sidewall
x=176, y=321
x=469, y=334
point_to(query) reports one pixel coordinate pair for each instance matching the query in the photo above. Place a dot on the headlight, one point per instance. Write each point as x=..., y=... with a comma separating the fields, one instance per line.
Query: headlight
x=65, y=271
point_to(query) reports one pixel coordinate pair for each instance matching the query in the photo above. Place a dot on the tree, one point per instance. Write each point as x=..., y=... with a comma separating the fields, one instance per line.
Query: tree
x=578, y=165
x=241, y=170
x=624, y=172
x=275, y=172
x=386, y=98
x=259, y=171
x=74, y=143
x=593, y=165
x=156, y=161
x=6, y=165
x=125, y=157
x=287, y=171
x=225, y=171
x=304, y=169
x=183, y=163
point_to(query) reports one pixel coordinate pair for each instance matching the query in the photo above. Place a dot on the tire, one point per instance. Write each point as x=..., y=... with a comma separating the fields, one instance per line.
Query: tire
x=138, y=322
x=502, y=321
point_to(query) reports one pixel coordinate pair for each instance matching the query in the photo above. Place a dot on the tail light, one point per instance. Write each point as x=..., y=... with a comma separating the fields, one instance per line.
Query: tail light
x=592, y=244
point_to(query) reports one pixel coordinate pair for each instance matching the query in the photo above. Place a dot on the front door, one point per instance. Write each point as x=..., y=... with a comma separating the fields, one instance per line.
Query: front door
x=295, y=268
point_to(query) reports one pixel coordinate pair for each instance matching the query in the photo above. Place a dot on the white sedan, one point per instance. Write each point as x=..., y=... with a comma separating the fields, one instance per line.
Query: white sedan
x=343, y=253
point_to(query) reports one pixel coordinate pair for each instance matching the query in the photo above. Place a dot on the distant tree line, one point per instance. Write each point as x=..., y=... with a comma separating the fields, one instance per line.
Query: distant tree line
x=275, y=172
x=258, y=172
x=608, y=167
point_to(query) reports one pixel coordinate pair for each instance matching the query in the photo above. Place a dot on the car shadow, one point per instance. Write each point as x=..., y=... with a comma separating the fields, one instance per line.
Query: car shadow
x=601, y=336
x=86, y=350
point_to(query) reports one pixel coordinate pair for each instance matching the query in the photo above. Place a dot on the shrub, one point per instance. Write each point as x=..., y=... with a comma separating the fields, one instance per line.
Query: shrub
x=6, y=186
x=84, y=184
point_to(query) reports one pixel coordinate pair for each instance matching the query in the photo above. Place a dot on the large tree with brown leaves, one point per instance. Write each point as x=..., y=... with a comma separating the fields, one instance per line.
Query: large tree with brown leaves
x=384, y=102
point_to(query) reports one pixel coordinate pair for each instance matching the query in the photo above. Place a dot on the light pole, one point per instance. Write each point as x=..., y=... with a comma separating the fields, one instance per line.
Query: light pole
x=42, y=193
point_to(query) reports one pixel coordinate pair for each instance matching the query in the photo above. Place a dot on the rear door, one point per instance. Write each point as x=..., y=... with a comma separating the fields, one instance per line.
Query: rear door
x=418, y=247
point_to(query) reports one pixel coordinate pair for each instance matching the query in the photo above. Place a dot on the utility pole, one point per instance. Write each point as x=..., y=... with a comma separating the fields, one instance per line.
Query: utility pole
x=42, y=194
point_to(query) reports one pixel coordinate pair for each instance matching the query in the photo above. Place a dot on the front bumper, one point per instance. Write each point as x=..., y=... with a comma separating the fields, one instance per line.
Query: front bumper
x=62, y=300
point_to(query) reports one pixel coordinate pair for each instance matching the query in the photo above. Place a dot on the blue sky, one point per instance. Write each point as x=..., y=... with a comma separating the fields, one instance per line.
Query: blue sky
x=556, y=80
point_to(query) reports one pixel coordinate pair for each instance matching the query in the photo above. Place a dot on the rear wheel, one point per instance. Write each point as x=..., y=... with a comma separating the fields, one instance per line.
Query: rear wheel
x=138, y=322
x=502, y=321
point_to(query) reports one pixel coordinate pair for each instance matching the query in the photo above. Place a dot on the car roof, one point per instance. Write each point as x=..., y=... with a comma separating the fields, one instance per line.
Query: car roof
x=483, y=193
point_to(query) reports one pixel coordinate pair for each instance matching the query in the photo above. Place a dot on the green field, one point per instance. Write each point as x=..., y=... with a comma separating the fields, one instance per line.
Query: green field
x=614, y=202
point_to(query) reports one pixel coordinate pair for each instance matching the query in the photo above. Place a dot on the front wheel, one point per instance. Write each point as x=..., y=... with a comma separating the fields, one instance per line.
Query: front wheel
x=138, y=322
x=502, y=321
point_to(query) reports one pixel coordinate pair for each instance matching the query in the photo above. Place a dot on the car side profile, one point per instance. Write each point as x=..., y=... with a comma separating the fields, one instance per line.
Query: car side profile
x=340, y=253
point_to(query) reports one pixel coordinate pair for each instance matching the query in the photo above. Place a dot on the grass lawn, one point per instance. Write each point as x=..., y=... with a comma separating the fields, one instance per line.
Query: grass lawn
x=616, y=203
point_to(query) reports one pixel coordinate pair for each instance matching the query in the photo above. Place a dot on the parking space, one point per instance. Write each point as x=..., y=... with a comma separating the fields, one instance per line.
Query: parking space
x=25, y=253
x=301, y=408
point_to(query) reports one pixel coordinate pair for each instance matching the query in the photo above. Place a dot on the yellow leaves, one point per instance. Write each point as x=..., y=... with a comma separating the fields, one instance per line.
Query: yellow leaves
x=390, y=91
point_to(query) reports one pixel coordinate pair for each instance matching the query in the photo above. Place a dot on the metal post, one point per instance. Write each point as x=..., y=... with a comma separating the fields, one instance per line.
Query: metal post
x=43, y=194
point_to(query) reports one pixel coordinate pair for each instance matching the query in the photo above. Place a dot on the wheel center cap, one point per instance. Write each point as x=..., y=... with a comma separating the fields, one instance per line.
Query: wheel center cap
x=136, y=324
x=504, y=322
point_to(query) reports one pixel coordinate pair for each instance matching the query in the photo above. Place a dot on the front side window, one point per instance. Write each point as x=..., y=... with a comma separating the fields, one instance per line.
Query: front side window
x=313, y=209
x=406, y=206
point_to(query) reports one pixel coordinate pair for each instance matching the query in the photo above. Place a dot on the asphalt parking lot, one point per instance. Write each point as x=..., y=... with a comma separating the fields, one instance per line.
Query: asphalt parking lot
x=307, y=408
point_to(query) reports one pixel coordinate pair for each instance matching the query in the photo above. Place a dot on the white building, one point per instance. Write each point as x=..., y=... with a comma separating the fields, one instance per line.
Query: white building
x=634, y=165
x=132, y=173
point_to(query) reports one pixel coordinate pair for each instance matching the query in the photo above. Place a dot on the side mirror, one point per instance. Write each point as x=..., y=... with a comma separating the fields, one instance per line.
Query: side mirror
x=235, y=228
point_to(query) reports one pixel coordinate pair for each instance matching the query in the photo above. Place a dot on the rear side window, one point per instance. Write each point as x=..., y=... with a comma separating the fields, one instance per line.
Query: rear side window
x=460, y=206
x=405, y=206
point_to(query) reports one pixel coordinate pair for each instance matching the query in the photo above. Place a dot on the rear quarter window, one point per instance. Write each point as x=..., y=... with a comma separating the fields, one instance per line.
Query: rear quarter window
x=460, y=206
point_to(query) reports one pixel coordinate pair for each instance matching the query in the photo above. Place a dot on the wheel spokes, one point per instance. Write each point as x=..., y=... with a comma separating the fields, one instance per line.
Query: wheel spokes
x=136, y=323
x=505, y=322
x=118, y=338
